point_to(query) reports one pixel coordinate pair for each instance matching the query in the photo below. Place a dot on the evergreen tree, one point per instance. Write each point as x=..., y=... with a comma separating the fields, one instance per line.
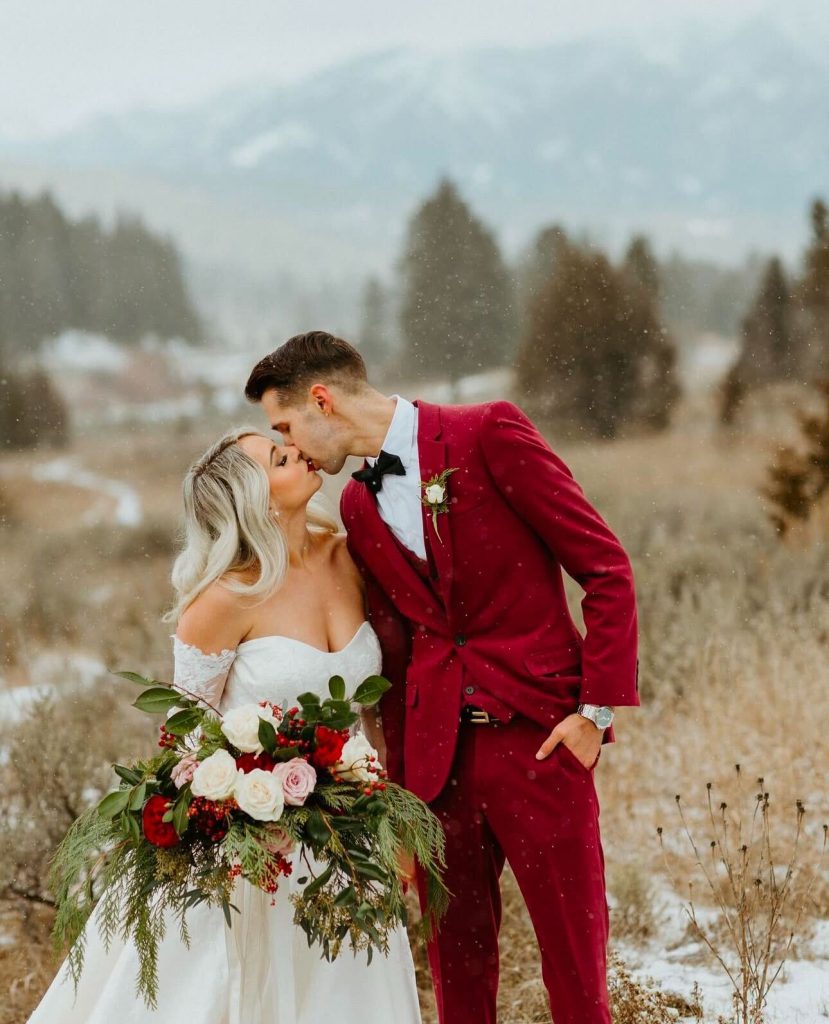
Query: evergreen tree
x=456, y=314
x=537, y=268
x=813, y=293
x=56, y=274
x=32, y=412
x=374, y=342
x=642, y=267
x=596, y=357
x=768, y=352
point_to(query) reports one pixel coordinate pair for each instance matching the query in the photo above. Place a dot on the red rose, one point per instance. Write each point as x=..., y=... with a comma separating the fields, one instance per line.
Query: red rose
x=329, y=745
x=156, y=831
x=248, y=762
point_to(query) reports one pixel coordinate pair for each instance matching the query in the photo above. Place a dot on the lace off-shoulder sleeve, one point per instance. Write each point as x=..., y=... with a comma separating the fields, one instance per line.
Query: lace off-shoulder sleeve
x=200, y=674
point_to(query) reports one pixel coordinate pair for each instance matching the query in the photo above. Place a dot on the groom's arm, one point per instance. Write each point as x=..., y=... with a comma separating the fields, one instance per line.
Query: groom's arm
x=542, y=490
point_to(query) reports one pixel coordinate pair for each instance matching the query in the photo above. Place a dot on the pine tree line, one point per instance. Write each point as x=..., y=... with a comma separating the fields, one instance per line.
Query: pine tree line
x=585, y=337
x=56, y=273
x=785, y=334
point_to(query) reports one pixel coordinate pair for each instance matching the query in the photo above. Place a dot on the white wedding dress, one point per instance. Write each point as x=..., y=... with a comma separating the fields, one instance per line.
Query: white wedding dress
x=260, y=971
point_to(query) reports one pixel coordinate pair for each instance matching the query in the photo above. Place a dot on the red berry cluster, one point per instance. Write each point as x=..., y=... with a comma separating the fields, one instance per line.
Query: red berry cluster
x=279, y=866
x=210, y=817
x=166, y=739
x=276, y=710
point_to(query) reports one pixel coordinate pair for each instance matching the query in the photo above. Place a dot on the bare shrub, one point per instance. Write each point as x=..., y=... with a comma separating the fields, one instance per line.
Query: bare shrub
x=759, y=906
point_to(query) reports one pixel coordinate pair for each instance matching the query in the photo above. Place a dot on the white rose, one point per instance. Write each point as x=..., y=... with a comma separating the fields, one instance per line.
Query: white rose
x=215, y=777
x=436, y=494
x=241, y=726
x=354, y=764
x=259, y=794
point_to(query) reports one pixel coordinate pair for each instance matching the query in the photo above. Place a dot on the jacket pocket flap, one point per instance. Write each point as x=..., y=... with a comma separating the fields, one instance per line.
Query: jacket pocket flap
x=554, y=659
x=411, y=695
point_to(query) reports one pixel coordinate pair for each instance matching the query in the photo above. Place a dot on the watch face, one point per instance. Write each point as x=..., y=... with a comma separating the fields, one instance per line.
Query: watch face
x=604, y=716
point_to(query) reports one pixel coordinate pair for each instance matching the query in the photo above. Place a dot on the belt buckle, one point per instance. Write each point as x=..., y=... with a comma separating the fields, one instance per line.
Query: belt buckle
x=479, y=717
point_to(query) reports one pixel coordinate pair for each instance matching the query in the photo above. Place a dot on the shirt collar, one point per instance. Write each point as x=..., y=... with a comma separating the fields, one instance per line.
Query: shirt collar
x=401, y=437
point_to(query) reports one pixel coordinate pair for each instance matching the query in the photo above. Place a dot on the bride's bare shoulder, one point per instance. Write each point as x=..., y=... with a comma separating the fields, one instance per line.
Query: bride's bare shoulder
x=216, y=620
x=340, y=556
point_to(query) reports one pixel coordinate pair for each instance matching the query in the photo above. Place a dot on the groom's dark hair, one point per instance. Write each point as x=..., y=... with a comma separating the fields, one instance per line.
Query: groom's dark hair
x=303, y=360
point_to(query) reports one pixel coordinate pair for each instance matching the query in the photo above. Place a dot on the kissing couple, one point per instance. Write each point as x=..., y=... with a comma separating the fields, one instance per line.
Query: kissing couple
x=448, y=581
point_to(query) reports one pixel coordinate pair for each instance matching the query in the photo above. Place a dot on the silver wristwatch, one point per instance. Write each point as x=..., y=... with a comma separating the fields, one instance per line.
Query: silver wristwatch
x=600, y=715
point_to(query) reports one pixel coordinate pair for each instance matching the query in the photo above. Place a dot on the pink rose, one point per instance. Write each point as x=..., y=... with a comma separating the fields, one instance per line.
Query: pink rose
x=279, y=841
x=184, y=770
x=298, y=779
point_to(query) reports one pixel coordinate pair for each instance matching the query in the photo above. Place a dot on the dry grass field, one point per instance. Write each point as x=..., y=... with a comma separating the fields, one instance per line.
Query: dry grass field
x=734, y=669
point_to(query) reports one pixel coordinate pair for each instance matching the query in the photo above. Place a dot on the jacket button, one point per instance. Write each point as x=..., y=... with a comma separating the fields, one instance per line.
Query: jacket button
x=460, y=640
x=469, y=690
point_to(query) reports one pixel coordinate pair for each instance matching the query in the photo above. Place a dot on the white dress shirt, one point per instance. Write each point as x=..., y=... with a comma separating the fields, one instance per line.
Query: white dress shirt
x=398, y=500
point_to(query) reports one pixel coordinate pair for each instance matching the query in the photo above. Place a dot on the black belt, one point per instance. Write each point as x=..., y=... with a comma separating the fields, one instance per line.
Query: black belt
x=477, y=716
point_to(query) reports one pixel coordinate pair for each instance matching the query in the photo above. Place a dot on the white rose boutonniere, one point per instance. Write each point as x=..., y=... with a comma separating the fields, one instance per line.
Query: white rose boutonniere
x=436, y=495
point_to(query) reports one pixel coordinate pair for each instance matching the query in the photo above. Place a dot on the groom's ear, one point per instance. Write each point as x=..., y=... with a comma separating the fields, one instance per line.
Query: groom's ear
x=323, y=399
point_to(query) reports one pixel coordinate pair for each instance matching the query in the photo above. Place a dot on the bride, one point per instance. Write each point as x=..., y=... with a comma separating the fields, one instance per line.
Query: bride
x=269, y=605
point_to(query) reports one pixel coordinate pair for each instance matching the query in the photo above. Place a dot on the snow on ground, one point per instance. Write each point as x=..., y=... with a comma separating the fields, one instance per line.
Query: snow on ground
x=128, y=508
x=672, y=960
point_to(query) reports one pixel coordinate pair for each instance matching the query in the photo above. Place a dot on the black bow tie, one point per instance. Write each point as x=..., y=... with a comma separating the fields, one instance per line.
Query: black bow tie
x=372, y=476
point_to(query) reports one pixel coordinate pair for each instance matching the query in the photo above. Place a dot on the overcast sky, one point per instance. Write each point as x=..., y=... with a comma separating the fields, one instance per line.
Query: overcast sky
x=62, y=61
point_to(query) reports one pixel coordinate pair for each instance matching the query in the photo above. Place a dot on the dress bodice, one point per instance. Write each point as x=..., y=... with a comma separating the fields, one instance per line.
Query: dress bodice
x=274, y=668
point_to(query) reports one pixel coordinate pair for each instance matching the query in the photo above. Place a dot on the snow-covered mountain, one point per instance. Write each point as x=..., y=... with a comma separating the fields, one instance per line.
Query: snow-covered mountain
x=714, y=146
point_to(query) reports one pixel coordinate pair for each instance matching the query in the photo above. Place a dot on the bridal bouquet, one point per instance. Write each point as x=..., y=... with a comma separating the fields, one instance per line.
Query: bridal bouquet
x=233, y=796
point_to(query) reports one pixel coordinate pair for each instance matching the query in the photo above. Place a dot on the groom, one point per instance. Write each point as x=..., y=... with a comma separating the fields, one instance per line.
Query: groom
x=461, y=520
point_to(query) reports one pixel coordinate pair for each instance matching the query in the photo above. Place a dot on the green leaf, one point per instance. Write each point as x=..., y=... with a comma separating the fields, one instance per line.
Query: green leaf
x=114, y=803
x=267, y=735
x=316, y=828
x=369, y=870
x=371, y=690
x=156, y=700
x=138, y=796
x=134, y=677
x=134, y=828
x=180, y=818
x=336, y=687
x=127, y=774
x=318, y=882
x=346, y=897
x=307, y=698
x=184, y=721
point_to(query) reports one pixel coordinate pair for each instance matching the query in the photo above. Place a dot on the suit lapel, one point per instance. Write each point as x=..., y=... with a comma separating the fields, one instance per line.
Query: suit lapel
x=432, y=455
x=391, y=567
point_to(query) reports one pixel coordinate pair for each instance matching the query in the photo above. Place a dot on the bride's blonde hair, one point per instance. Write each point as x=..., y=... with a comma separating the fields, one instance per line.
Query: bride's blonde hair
x=229, y=527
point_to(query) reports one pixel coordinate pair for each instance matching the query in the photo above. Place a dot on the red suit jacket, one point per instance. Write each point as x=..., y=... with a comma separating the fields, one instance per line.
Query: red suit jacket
x=502, y=626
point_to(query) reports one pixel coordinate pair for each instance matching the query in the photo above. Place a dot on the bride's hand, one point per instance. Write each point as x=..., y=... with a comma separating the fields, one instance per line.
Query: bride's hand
x=406, y=869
